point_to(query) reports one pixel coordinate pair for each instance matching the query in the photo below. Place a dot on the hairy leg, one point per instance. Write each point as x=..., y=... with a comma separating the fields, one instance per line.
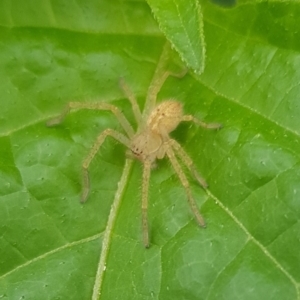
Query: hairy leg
x=130, y=95
x=188, y=162
x=200, y=123
x=145, y=191
x=185, y=183
x=159, y=78
x=156, y=86
x=95, y=148
x=93, y=106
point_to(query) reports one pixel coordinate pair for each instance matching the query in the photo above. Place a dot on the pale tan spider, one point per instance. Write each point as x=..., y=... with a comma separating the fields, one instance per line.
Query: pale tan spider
x=151, y=141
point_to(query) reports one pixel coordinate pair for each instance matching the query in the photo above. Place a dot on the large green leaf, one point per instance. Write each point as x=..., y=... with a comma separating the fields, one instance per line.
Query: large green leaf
x=53, y=247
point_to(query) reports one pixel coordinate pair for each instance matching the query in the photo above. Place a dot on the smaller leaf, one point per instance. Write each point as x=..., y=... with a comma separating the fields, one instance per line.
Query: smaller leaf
x=182, y=23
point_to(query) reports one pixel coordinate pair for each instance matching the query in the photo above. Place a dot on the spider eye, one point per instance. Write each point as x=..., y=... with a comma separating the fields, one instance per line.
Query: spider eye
x=136, y=151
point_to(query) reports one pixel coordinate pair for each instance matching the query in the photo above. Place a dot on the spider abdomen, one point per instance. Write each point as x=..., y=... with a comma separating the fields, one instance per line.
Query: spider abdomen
x=165, y=117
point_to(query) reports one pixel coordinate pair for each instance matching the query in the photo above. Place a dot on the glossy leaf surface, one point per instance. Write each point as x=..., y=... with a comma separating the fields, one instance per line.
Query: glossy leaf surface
x=50, y=244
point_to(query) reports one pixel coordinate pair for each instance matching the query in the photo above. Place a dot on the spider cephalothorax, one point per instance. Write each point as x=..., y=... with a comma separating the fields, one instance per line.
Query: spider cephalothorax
x=150, y=142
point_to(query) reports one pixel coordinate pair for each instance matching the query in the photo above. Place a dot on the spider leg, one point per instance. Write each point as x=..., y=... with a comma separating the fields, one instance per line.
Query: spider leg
x=201, y=123
x=185, y=183
x=95, y=148
x=130, y=95
x=159, y=77
x=145, y=190
x=188, y=162
x=94, y=106
x=155, y=86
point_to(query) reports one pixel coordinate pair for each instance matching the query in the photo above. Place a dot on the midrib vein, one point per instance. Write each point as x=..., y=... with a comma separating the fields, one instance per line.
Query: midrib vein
x=109, y=230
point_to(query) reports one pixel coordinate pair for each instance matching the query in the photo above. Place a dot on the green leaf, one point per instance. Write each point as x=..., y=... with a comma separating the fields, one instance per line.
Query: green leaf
x=182, y=23
x=53, y=247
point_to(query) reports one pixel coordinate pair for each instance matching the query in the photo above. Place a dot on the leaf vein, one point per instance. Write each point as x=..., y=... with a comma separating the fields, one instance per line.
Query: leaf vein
x=47, y=254
x=106, y=243
x=256, y=242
